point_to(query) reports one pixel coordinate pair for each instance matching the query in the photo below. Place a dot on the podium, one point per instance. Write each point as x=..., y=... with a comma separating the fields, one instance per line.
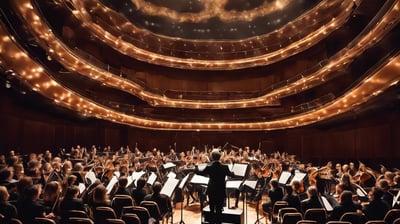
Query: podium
x=228, y=215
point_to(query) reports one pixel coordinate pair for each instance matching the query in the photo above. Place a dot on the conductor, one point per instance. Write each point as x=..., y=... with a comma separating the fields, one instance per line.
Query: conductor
x=216, y=190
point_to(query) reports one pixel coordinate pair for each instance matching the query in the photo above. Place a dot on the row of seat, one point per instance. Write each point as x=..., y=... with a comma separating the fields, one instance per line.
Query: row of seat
x=283, y=214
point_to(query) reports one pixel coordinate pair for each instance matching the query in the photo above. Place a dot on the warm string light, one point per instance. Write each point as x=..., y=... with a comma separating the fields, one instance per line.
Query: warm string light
x=78, y=64
x=377, y=82
x=317, y=30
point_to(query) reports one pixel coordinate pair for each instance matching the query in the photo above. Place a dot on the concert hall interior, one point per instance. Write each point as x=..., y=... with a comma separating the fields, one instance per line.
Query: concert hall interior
x=279, y=85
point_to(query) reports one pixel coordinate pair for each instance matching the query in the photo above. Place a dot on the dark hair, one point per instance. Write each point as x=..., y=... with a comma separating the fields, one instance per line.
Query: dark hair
x=123, y=181
x=140, y=183
x=71, y=191
x=156, y=187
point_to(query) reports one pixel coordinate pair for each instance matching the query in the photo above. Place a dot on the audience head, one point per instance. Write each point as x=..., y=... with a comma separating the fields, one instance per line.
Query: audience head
x=24, y=183
x=289, y=189
x=375, y=194
x=141, y=183
x=274, y=183
x=32, y=193
x=122, y=182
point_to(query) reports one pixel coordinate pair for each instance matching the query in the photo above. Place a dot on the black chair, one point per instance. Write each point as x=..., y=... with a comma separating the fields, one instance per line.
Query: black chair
x=140, y=211
x=392, y=215
x=273, y=215
x=153, y=209
x=119, y=201
x=338, y=222
x=114, y=221
x=44, y=221
x=396, y=221
x=305, y=221
x=77, y=214
x=102, y=213
x=131, y=218
x=376, y=222
x=353, y=217
x=15, y=221
x=291, y=217
x=316, y=214
x=76, y=220
x=283, y=211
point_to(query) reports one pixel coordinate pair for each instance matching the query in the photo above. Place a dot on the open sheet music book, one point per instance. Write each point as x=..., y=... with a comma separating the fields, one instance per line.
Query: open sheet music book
x=199, y=179
x=183, y=181
x=90, y=177
x=111, y=184
x=82, y=187
x=152, y=178
x=327, y=205
x=169, y=187
x=239, y=169
x=298, y=176
x=250, y=183
x=233, y=184
x=168, y=165
x=134, y=177
x=284, y=177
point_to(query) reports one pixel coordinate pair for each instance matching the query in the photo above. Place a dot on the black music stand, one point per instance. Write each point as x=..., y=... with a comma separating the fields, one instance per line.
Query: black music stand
x=200, y=181
x=181, y=186
x=250, y=186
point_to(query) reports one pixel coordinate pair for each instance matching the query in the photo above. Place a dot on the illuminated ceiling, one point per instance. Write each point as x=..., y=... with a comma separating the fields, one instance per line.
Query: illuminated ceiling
x=203, y=64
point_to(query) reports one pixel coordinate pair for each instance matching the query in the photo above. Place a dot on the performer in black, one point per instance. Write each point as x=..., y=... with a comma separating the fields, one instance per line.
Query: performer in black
x=216, y=190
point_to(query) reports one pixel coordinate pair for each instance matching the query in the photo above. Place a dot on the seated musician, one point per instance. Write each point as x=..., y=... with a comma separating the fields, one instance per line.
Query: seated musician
x=291, y=197
x=312, y=201
x=387, y=196
x=346, y=204
x=70, y=202
x=6, y=208
x=275, y=194
x=139, y=192
x=376, y=208
x=163, y=201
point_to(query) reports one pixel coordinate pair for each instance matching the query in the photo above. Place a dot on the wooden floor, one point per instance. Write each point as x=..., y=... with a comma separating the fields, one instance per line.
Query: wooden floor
x=191, y=214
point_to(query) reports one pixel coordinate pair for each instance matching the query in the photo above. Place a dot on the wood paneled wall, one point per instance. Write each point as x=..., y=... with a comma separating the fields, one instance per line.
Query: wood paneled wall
x=373, y=139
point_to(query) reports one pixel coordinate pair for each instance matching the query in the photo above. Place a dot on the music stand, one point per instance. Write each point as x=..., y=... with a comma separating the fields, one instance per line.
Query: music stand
x=284, y=177
x=251, y=185
x=181, y=186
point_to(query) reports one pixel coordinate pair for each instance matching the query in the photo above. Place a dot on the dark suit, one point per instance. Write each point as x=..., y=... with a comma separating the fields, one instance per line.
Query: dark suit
x=312, y=202
x=342, y=208
x=216, y=189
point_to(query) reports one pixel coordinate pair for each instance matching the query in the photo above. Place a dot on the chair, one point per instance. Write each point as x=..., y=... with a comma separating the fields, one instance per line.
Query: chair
x=353, y=217
x=376, y=222
x=316, y=214
x=305, y=221
x=102, y=213
x=77, y=214
x=338, y=222
x=153, y=209
x=392, y=215
x=119, y=201
x=275, y=209
x=283, y=211
x=140, y=211
x=131, y=218
x=15, y=221
x=291, y=217
x=44, y=221
x=396, y=221
x=76, y=220
x=113, y=221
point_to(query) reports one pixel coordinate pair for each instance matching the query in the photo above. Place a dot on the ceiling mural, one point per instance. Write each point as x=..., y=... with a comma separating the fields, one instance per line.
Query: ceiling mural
x=202, y=64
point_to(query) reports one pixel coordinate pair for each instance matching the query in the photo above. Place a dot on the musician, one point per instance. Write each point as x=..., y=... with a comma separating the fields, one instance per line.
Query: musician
x=216, y=189
x=50, y=197
x=163, y=201
x=139, y=192
x=29, y=208
x=291, y=197
x=387, y=196
x=275, y=194
x=70, y=202
x=312, y=201
x=376, y=209
x=6, y=208
x=346, y=204
x=121, y=189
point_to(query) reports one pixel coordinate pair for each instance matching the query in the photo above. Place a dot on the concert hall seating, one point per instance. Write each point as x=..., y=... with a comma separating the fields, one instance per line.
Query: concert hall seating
x=102, y=213
x=316, y=214
x=131, y=218
x=391, y=215
x=44, y=221
x=353, y=217
x=283, y=211
x=75, y=220
x=119, y=201
x=77, y=214
x=291, y=217
x=140, y=211
x=153, y=209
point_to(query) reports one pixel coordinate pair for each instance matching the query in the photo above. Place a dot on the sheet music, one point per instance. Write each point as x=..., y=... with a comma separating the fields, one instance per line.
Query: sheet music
x=202, y=166
x=395, y=199
x=169, y=186
x=233, y=184
x=298, y=176
x=285, y=175
x=134, y=177
x=239, y=169
x=250, y=183
x=82, y=187
x=91, y=177
x=168, y=165
x=199, y=179
x=360, y=191
x=152, y=178
x=117, y=173
x=111, y=184
x=183, y=181
x=171, y=175
x=326, y=203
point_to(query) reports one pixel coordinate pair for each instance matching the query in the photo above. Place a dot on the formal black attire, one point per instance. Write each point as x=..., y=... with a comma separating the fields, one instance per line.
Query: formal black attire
x=216, y=189
x=375, y=210
x=293, y=200
x=138, y=195
x=8, y=210
x=163, y=202
x=312, y=202
x=342, y=208
x=70, y=204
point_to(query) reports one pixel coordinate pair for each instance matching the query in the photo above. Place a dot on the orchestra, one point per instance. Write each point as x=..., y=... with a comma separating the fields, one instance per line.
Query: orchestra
x=130, y=171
